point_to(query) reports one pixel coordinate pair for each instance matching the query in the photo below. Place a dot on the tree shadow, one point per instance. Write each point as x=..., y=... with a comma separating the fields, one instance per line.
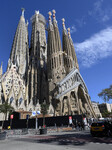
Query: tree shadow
x=74, y=139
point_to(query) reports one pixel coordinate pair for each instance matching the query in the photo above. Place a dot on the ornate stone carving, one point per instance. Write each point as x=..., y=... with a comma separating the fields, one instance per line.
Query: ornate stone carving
x=65, y=106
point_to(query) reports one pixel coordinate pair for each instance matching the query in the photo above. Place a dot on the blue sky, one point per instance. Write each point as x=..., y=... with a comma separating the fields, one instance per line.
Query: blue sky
x=91, y=30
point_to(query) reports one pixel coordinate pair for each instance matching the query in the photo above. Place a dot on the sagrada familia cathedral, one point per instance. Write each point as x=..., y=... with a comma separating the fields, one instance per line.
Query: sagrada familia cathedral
x=46, y=71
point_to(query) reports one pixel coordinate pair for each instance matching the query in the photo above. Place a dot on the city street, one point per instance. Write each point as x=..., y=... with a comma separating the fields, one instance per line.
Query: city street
x=81, y=140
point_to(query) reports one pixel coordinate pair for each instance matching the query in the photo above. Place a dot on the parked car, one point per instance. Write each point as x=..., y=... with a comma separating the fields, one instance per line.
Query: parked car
x=101, y=128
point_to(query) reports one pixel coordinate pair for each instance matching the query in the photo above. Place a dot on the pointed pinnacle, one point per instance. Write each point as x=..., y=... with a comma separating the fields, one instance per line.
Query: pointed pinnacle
x=68, y=29
x=50, y=14
x=36, y=12
x=54, y=12
x=27, y=23
x=23, y=10
x=69, y=32
x=63, y=22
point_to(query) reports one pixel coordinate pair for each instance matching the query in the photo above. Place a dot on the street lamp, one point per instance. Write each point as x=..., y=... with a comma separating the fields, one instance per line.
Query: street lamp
x=36, y=123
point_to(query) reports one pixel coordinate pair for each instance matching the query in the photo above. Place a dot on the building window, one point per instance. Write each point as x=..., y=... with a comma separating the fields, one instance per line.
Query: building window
x=20, y=101
x=71, y=63
x=16, y=102
x=50, y=64
x=65, y=61
x=60, y=59
x=68, y=63
x=11, y=99
x=54, y=62
x=57, y=61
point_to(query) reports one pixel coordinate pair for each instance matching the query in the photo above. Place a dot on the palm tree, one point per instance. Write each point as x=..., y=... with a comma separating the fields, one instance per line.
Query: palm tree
x=106, y=94
x=44, y=111
x=6, y=108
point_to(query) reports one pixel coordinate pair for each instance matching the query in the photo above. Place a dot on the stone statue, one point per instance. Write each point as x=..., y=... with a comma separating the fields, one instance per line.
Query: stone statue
x=58, y=106
x=65, y=106
x=73, y=102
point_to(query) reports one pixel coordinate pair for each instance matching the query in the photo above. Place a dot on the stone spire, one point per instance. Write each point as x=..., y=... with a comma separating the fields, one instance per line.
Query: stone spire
x=51, y=37
x=56, y=32
x=59, y=52
x=75, y=62
x=67, y=49
x=38, y=57
x=20, y=46
x=23, y=10
x=66, y=43
x=50, y=26
x=54, y=18
x=55, y=54
x=56, y=71
x=51, y=55
x=50, y=47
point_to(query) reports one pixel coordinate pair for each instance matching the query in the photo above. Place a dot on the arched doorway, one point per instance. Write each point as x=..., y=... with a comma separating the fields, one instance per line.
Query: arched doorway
x=65, y=109
x=83, y=104
x=73, y=104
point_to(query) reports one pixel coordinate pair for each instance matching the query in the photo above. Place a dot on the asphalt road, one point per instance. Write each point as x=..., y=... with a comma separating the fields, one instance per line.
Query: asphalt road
x=81, y=140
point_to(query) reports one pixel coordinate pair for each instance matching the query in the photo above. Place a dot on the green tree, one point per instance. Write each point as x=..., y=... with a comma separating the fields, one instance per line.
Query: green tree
x=106, y=94
x=106, y=114
x=6, y=108
x=44, y=111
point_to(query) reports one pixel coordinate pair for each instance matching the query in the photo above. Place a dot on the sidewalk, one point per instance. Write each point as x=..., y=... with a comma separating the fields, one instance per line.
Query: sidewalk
x=18, y=132
x=50, y=132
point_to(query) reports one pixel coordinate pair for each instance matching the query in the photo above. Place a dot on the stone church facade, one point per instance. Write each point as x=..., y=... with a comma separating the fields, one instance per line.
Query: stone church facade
x=46, y=71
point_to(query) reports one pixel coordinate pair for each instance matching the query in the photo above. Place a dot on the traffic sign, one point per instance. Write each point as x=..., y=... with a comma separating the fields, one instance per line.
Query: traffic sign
x=38, y=112
x=33, y=113
x=12, y=116
x=70, y=119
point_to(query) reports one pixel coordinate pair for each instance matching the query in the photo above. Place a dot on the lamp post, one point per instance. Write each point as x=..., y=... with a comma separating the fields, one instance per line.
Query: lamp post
x=27, y=118
x=36, y=123
x=11, y=117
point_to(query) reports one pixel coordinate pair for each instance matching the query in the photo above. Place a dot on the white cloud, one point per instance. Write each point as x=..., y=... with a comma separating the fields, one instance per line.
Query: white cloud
x=98, y=5
x=105, y=18
x=81, y=22
x=95, y=48
x=100, y=12
x=73, y=29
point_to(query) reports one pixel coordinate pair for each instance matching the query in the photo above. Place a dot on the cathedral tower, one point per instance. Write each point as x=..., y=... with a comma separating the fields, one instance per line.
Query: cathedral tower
x=68, y=58
x=37, y=69
x=19, y=53
x=56, y=71
x=75, y=62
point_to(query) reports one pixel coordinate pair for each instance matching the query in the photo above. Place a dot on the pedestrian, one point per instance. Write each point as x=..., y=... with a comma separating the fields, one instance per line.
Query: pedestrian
x=73, y=126
x=82, y=126
x=79, y=126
